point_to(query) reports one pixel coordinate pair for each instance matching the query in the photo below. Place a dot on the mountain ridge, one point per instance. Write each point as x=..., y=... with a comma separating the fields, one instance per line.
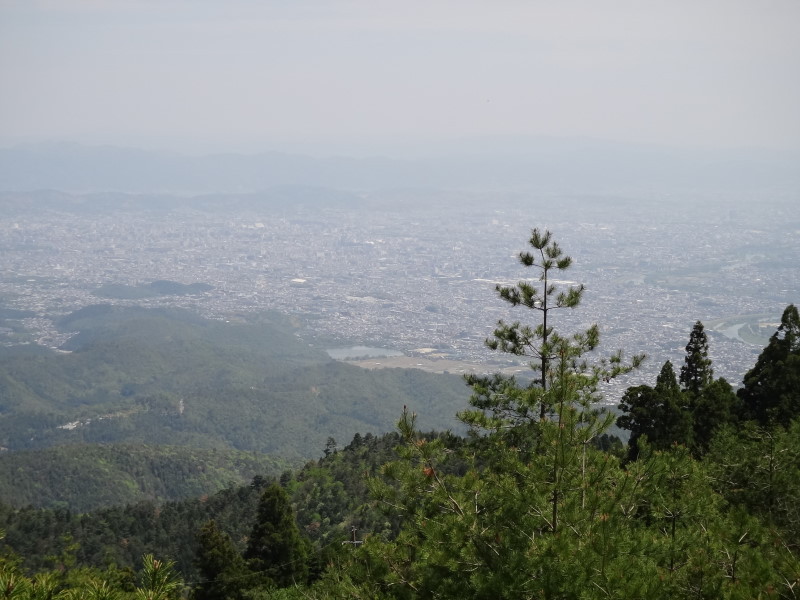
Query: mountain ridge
x=571, y=165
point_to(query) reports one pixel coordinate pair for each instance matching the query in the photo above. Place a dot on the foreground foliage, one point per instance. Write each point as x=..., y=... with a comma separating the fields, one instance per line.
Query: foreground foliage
x=655, y=529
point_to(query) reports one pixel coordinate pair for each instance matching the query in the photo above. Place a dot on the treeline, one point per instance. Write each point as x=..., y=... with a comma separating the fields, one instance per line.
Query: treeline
x=446, y=513
x=690, y=408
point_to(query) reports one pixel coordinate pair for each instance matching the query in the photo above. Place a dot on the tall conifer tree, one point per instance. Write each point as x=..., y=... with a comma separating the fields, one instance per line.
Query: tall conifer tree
x=275, y=548
x=696, y=372
x=771, y=391
x=540, y=341
x=223, y=570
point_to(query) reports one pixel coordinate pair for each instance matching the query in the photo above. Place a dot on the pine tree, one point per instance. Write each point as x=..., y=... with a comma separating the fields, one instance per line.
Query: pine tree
x=522, y=519
x=771, y=392
x=537, y=342
x=500, y=404
x=696, y=372
x=223, y=571
x=275, y=548
x=759, y=469
x=159, y=581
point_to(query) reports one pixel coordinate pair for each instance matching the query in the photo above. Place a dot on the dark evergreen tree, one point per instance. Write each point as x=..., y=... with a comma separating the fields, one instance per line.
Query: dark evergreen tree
x=661, y=413
x=639, y=416
x=330, y=446
x=716, y=405
x=275, y=549
x=675, y=425
x=696, y=372
x=222, y=569
x=666, y=382
x=712, y=403
x=771, y=392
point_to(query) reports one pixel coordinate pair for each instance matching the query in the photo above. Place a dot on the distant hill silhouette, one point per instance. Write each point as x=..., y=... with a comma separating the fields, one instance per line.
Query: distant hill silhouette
x=498, y=163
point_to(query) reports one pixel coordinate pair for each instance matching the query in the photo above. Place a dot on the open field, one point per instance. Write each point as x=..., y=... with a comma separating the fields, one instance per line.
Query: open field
x=436, y=365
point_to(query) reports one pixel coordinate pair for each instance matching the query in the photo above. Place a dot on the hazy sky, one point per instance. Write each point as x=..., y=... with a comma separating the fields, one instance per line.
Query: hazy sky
x=246, y=75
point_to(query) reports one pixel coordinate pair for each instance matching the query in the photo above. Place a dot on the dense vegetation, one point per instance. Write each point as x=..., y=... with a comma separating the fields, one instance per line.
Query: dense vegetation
x=86, y=477
x=534, y=502
x=330, y=495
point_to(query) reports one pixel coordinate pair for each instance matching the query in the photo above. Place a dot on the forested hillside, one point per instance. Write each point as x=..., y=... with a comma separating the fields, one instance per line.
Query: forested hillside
x=132, y=375
x=451, y=514
x=330, y=494
x=84, y=477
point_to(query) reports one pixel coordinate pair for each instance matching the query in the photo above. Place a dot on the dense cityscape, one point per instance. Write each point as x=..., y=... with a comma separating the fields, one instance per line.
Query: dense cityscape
x=416, y=271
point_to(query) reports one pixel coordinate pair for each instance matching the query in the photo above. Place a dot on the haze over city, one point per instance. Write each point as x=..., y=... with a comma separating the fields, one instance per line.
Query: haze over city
x=677, y=119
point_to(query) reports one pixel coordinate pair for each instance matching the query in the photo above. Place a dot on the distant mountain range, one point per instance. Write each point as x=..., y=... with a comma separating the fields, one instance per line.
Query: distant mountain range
x=557, y=165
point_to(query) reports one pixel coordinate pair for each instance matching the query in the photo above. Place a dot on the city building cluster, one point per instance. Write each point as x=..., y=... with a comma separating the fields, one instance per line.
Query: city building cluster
x=421, y=280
